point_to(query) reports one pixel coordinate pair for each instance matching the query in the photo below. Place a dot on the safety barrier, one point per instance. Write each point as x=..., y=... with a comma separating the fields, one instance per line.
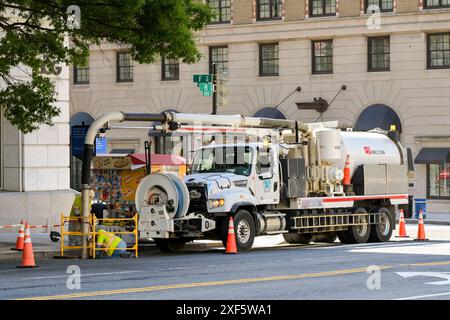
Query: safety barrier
x=122, y=221
x=79, y=220
x=8, y=226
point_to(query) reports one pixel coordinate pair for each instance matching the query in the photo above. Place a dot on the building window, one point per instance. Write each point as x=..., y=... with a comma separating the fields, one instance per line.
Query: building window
x=124, y=67
x=268, y=59
x=438, y=181
x=221, y=10
x=219, y=56
x=379, y=54
x=170, y=69
x=269, y=9
x=322, y=8
x=383, y=5
x=322, y=56
x=438, y=51
x=433, y=4
x=81, y=74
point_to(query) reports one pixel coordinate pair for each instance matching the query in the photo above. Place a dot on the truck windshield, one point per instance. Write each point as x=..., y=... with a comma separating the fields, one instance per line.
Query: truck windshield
x=236, y=160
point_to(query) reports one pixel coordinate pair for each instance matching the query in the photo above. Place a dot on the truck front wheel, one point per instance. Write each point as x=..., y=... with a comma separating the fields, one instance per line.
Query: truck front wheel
x=244, y=230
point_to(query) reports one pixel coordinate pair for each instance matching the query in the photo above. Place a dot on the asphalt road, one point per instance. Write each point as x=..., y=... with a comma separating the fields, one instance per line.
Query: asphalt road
x=409, y=270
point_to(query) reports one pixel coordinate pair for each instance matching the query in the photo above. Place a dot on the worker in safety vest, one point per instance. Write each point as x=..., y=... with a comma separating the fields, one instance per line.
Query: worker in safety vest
x=115, y=246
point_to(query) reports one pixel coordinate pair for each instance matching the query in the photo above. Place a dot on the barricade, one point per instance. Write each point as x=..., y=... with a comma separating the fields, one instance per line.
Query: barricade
x=121, y=221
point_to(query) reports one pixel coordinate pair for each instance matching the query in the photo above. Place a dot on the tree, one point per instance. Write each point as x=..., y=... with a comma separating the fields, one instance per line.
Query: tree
x=33, y=33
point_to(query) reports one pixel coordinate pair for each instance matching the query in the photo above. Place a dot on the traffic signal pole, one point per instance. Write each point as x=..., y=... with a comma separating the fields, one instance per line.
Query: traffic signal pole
x=214, y=93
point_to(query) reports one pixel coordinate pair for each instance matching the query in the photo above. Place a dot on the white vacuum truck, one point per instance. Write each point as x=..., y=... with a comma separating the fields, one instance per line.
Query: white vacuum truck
x=309, y=182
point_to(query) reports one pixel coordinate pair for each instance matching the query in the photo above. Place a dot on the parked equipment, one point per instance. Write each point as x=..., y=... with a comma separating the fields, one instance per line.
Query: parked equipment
x=300, y=180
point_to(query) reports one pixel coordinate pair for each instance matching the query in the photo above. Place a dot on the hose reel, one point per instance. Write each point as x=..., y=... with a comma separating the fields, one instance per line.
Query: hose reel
x=163, y=189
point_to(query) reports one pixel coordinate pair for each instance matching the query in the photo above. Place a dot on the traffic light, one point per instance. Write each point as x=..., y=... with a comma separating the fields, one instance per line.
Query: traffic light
x=222, y=89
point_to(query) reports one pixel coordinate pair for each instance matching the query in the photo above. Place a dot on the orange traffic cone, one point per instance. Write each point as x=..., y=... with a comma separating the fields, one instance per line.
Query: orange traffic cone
x=231, y=241
x=20, y=238
x=346, y=181
x=421, y=233
x=402, y=226
x=27, y=255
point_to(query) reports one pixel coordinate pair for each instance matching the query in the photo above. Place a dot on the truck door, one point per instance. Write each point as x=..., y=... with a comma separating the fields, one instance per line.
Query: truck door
x=266, y=176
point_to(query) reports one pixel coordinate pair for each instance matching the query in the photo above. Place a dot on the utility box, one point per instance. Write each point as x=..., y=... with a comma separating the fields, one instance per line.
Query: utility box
x=294, y=177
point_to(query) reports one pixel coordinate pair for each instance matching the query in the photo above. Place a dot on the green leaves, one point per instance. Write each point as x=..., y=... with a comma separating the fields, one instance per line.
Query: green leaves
x=32, y=39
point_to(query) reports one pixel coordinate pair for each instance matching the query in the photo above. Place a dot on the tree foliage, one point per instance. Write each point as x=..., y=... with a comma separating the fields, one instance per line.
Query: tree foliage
x=33, y=34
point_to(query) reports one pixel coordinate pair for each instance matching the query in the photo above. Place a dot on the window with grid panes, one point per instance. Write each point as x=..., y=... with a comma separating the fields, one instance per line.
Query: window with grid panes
x=322, y=56
x=438, y=51
x=435, y=4
x=319, y=8
x=268, y=59
x=383, y=5
x=170, y=69
x=81, y=74
x=379, y=54
x=269, y=9
x=221, y=10
x=124, y=67
x=219, y=56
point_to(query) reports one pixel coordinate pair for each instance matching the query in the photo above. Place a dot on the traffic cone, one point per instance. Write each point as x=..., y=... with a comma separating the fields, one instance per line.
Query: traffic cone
x=402, y=226
x=346, y=181
x=231, y=241
x=20, y=238
x=27, y=253
x=421, y=233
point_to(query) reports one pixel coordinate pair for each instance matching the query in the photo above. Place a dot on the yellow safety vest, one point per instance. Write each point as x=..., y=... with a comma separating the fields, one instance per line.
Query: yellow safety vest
x=108, y=240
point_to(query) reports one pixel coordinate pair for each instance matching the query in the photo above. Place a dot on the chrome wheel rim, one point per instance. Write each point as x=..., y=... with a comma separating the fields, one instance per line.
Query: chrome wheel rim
x=361, y=229
x=384, y=225
x=243, y=231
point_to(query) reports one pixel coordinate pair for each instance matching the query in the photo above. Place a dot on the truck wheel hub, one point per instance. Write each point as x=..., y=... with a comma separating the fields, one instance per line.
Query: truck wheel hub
x=243, y=231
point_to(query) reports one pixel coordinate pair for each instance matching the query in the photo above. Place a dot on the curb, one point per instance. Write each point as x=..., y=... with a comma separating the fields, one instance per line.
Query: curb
x=434, y=222
x=148, y=247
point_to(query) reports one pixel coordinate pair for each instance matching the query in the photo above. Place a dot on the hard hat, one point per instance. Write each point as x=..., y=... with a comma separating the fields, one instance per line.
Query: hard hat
x=101, y=231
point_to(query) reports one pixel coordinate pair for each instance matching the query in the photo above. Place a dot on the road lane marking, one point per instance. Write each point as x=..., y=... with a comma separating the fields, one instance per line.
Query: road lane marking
x=441, y=249
x=83, y=275
x=425, y=296
x=201, y=284
x=427, y=264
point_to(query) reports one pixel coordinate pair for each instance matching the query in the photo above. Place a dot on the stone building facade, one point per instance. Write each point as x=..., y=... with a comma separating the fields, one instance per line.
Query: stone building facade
x=395, y=62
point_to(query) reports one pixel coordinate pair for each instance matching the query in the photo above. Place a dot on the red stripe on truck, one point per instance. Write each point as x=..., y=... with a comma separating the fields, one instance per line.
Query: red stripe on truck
x=344, y=199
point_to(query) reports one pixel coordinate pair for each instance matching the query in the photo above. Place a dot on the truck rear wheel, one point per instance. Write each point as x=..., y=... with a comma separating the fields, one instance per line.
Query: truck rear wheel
x=359, y=233
x=382, y=232
x=328, y=237
x=244, y=230
x=170, y=245
x=295, y=237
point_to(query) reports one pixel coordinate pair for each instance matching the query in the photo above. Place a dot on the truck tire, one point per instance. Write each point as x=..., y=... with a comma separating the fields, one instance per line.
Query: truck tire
x=359, y=233
x=382, y=232
x=170, y=245
x=328, y=237
x=244, y=230
x=295, y=237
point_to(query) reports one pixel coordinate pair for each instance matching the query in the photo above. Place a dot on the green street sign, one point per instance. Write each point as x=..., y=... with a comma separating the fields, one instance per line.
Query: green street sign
x=206, y=89
x=203, y=78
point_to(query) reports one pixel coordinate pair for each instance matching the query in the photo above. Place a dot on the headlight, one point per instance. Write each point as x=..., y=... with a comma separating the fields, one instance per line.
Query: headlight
x=241, y=183
x=216, y=203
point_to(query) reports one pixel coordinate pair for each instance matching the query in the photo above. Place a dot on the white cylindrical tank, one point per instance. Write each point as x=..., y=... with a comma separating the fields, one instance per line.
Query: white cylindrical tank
x=329, y=141
x=367, y=148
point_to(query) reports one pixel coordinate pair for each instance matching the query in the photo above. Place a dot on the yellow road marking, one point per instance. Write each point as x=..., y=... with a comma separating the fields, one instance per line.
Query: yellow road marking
x=440, y=263
x=201, y=284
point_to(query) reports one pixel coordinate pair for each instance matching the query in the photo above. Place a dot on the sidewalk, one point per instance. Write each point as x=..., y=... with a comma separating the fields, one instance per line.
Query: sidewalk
x=432, y=218
x=43, y=247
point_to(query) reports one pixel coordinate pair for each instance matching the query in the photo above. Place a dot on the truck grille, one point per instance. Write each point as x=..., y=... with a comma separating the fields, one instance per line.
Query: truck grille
x=198, y=203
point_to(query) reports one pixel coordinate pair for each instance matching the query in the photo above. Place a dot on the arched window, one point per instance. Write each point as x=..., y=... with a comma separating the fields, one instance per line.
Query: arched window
x=378, y=116
x=270, y=112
